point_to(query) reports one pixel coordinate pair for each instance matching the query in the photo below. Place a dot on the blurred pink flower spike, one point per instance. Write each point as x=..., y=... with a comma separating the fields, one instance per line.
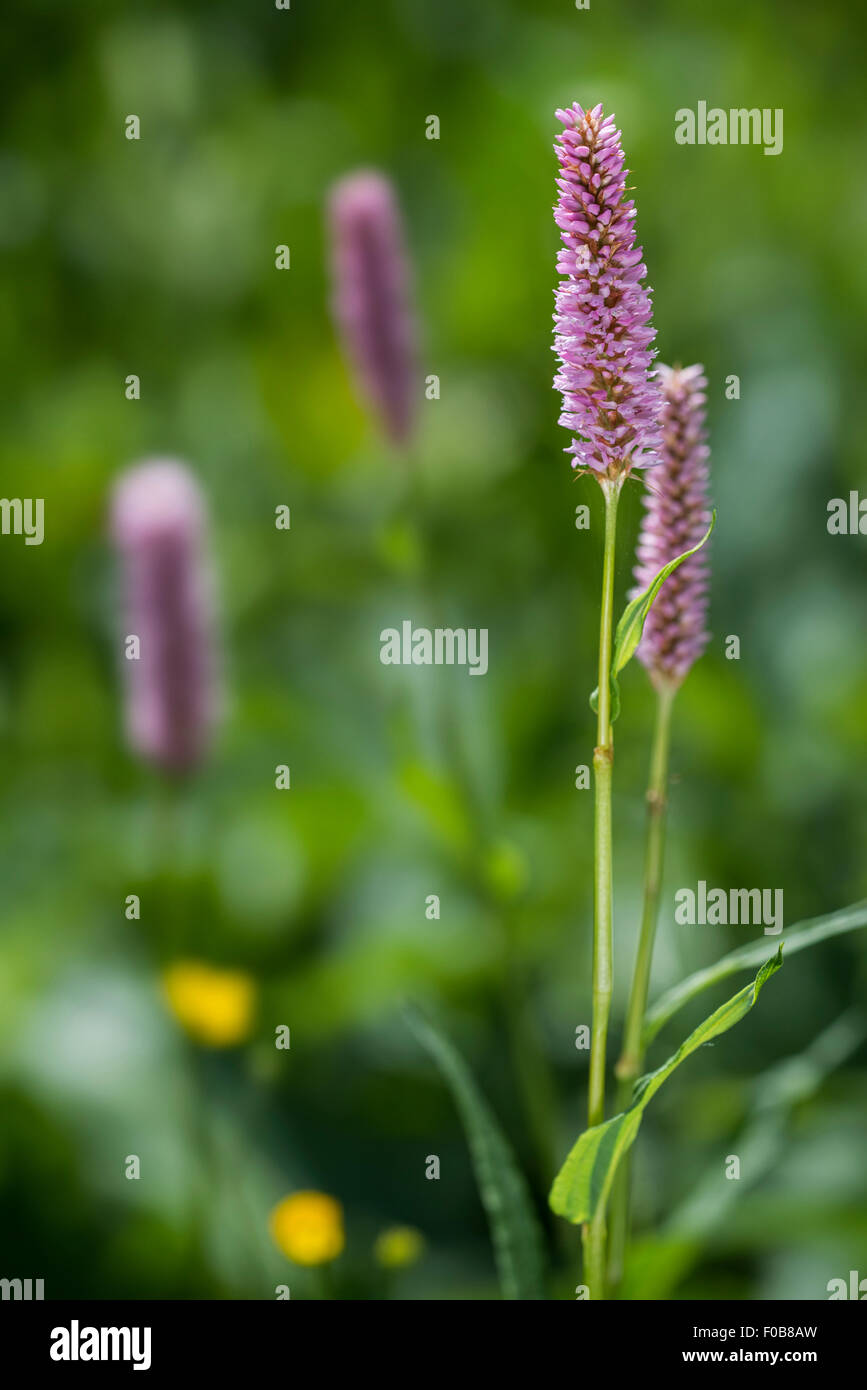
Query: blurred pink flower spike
x=371, y=298
x=158, y=526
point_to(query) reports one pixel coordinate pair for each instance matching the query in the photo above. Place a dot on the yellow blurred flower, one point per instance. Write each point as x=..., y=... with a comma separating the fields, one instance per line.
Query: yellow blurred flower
x=308, y=1227
x=214, y=1006
x=398, y=1247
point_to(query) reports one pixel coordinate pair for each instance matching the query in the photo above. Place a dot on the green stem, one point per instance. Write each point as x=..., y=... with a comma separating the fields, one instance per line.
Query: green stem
x=603, y=759
x=593, y=1237
x=632, y=1055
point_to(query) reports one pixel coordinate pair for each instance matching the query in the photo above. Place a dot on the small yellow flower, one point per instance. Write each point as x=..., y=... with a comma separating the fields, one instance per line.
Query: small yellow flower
x=308, y=1227
x=398, y=1247
x=214, y=1006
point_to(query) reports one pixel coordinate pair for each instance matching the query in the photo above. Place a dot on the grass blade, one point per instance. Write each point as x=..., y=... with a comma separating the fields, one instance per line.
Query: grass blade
x=515, y=1232
x=797, y=938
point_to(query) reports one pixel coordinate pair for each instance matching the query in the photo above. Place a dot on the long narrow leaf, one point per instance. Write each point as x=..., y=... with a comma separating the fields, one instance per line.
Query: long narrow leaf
x=628, y=632
x=581, y=1188
x=515, y=1231
x=797, y=938
x=660, y=1262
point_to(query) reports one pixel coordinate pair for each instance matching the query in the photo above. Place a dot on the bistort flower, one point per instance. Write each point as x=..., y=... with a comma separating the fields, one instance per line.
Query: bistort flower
x=158, y=524
x=371, y=298
x=678, y=514
x=603, y=334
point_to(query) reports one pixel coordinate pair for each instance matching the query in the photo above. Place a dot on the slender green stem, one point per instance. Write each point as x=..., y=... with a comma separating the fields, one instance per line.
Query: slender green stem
x=593, y=1237
x=632, y=1055
x=603, y=759
x=657, y=789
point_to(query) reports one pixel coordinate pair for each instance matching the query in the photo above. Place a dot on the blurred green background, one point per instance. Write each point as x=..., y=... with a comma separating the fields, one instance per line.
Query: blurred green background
x=156, y=257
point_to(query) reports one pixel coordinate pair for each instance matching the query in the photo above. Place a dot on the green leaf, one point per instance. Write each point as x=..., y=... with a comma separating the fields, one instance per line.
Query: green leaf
x=505, y=1196
x=581, y=1188
x=631, y=625
x=628, y=632
x=658, y=1264
x=796, y=938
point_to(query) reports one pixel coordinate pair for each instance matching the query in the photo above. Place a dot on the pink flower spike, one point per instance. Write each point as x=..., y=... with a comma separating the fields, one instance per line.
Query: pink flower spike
x=678, y=514
x=371, y=299
x=603, y=335
x=158, y=526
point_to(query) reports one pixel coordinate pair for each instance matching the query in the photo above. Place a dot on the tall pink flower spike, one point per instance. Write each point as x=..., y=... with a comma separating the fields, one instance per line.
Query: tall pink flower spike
x=603, y=334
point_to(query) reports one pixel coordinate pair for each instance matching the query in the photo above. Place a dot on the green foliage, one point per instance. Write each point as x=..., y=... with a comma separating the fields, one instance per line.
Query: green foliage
x=658, y=1262
x=582, y=1186
x=156, y=257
